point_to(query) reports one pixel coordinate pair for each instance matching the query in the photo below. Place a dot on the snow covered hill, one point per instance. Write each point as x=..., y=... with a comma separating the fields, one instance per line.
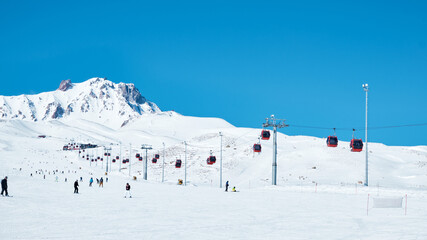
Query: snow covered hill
x=97, y=99
x=319, y=188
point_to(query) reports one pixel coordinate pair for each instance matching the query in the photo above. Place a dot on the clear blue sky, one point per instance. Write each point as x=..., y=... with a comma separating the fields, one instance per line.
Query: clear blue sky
x=304, y=61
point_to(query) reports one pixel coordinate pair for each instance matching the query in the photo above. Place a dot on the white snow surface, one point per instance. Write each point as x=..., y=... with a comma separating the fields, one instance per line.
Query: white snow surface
x=318, y=195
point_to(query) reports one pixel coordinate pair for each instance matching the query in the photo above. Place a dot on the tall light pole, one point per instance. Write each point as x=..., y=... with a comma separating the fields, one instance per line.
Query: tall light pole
x=220, y=164
x=163, y=163
x=146, y=147
x=275, y=123
x=366, y=89
x=185, y=165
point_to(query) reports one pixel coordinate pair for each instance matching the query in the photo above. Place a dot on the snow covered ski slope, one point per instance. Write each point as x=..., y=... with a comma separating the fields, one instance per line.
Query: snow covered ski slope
x=319, y=193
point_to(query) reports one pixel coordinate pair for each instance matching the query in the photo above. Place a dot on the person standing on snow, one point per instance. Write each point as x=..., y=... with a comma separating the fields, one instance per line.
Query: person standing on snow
x=101, y=182
x=90, y=182
x=226, y=186
x=76, y=186
x=4, y=186
x=128, y=190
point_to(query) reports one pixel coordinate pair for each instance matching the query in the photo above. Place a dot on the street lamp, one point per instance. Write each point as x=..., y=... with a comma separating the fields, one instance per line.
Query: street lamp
x=366, y=89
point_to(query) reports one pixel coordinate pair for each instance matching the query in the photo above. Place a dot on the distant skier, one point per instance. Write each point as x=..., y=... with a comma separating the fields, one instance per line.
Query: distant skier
x=4, y=186
x=81, y=179
x=226, y=186
x=97, y=181
x=76, y=186
x=128, y=190
x=90, y=182
x=101, y=182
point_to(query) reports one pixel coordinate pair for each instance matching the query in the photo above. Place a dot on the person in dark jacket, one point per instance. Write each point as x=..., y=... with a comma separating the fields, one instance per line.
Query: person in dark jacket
x=76, y=186
x=128, y=190
x=226, y=186
x=4, y=186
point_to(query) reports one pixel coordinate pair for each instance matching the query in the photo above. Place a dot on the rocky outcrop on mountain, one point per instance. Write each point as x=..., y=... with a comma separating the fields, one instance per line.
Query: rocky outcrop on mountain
x=65, y=85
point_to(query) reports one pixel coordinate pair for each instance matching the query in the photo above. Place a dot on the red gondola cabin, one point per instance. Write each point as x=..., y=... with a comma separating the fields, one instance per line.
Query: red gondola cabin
x=332, y=141
x=157, y=156
x=356, y=145
x=140, y=158
x=265, y=135
x=154, y=160
x=178, y=163
x=211, y=160
x=137, y=155
x=257, y=147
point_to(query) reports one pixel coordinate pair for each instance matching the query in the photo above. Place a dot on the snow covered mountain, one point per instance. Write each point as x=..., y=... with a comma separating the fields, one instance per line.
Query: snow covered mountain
x=96, y=99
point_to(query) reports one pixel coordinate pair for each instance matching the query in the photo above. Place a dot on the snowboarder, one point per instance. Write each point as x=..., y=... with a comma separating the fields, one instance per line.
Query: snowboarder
x=226, y=186
x=128, y=190
x=76, y=186
x=101, y=182
x=90, y=182
x=4, y=186
x=234, y=189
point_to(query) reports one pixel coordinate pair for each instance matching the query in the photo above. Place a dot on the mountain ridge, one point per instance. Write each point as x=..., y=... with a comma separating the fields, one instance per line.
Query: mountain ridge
x=96, y=98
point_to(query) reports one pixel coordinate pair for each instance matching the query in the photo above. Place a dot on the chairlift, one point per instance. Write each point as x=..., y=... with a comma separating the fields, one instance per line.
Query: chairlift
x=257, y=147
x=178, y=163
x=265, y=135
x=332, y=141
x=356, y=145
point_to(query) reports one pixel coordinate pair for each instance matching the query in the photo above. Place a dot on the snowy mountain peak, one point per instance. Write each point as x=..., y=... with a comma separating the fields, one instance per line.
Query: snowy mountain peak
x=96, y=99
x=65, y=85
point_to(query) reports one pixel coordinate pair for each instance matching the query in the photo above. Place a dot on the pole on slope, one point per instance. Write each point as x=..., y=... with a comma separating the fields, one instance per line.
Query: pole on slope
x=185, y=165
x=366, y=89
x=120, y=162
x=146, y=147
x=275, y=123
x=163, y=163
x=220, y=163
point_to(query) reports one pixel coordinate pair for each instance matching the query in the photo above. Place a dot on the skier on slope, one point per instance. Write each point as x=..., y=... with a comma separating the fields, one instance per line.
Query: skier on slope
x=90, y=182
x=4, y=186
x=128, y=190
x=101, y=182
x=226, y=186
x=76, y=186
